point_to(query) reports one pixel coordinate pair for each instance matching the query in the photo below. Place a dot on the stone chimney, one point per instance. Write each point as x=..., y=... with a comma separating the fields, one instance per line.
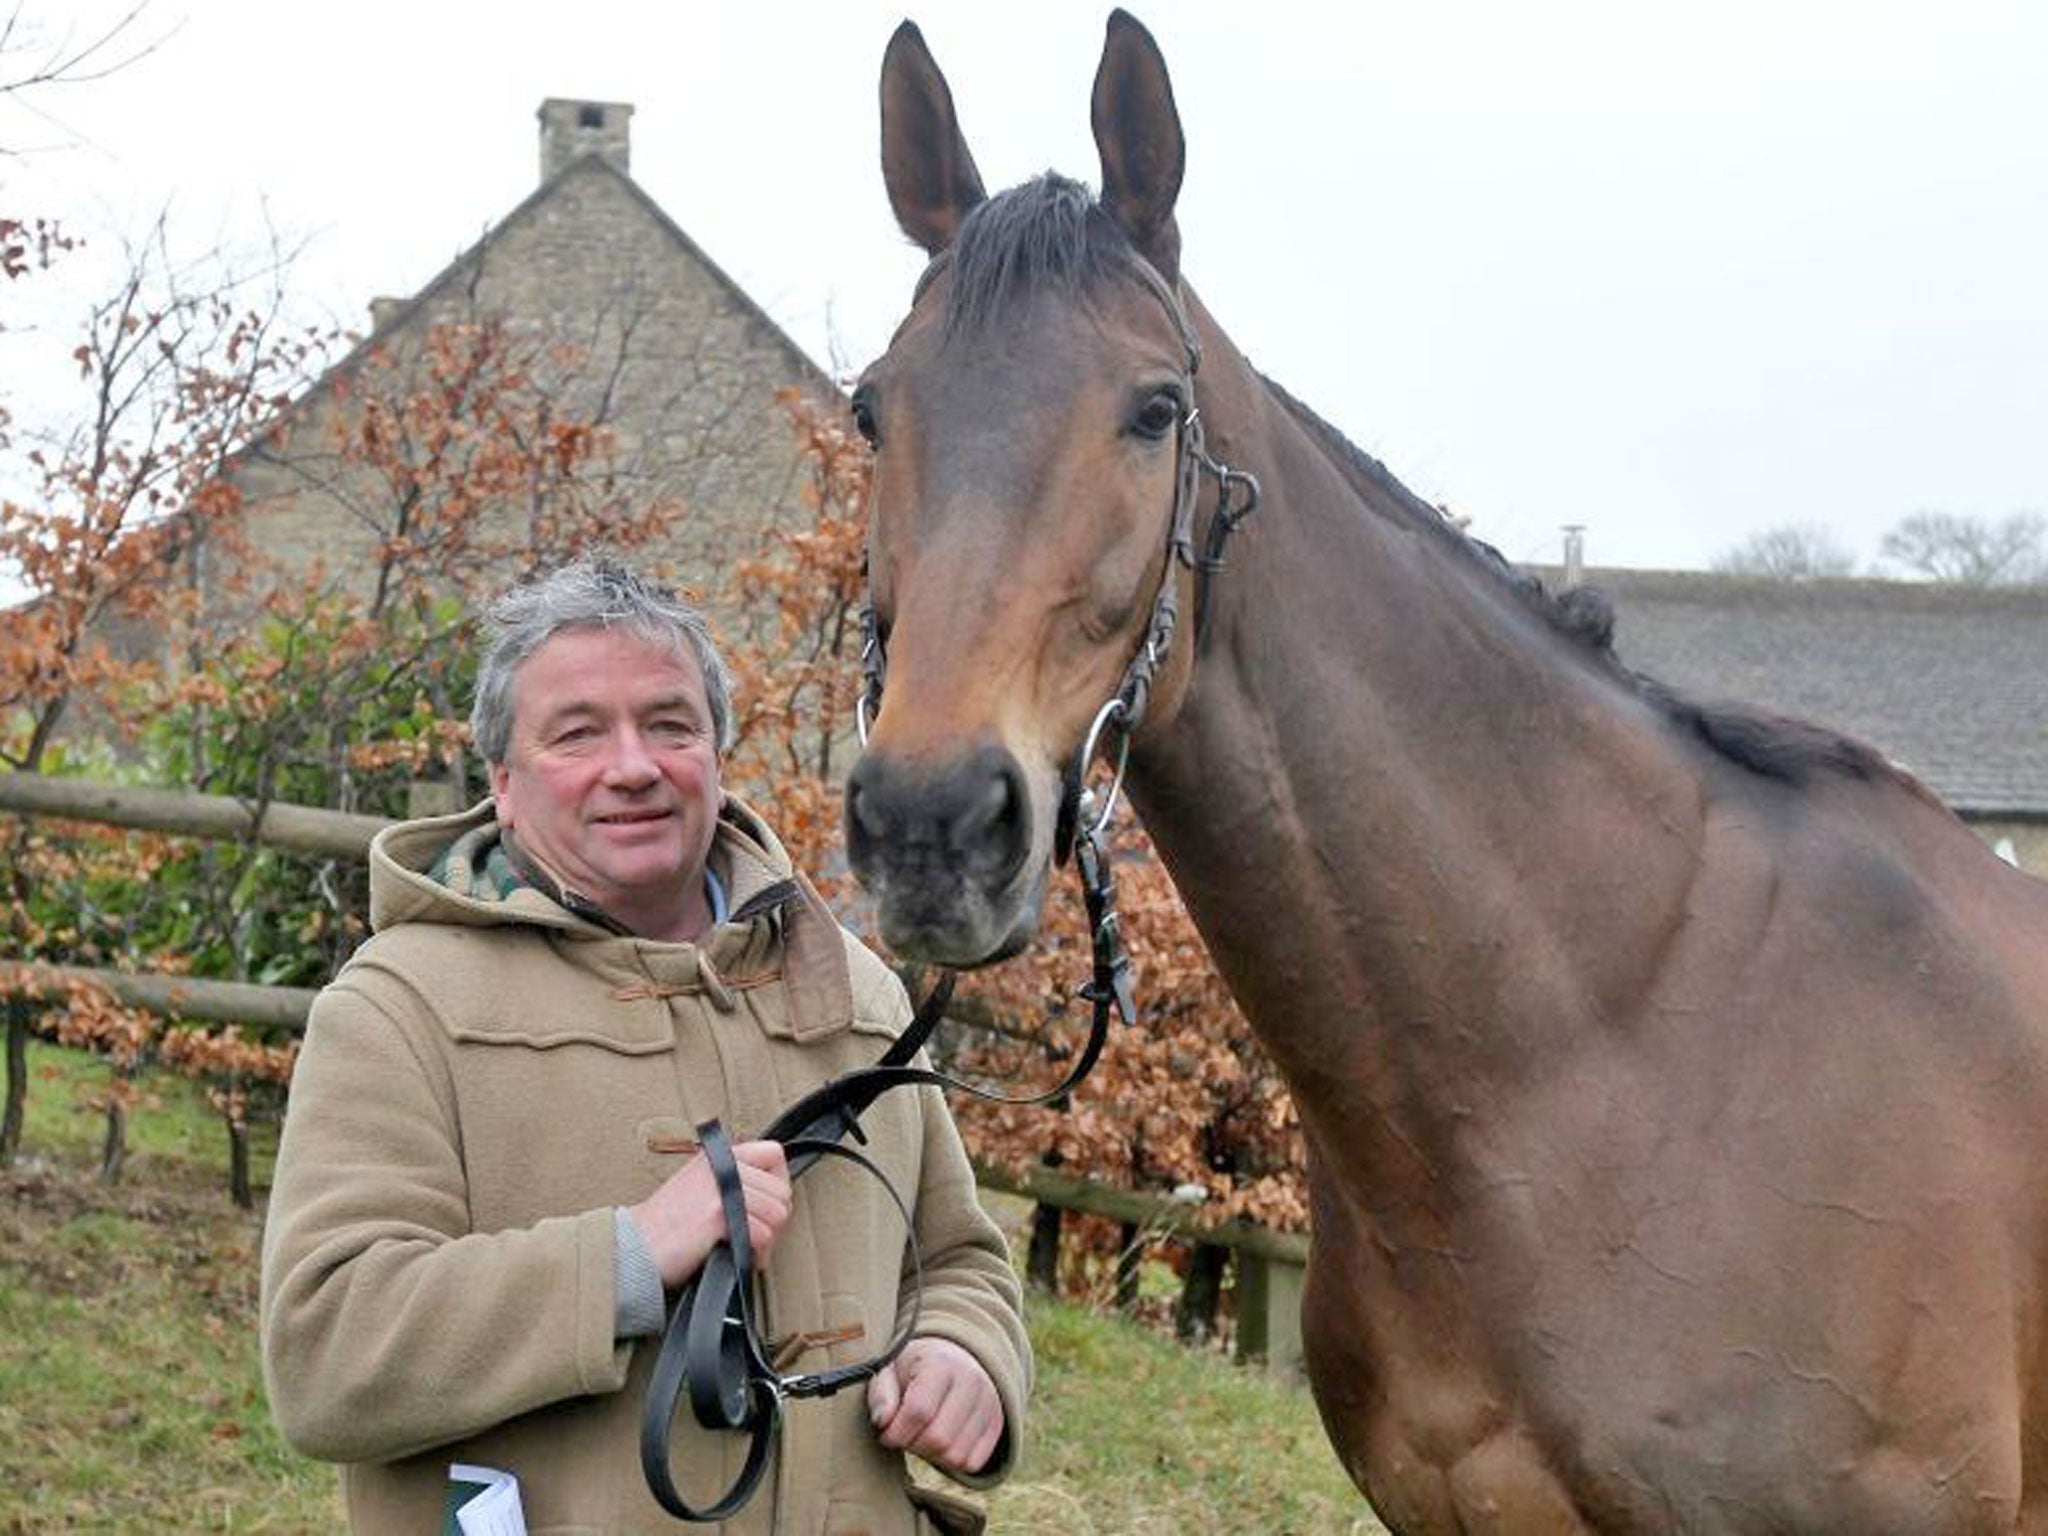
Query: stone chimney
x=382, y=308
x=569, y=130
x=1574, y=555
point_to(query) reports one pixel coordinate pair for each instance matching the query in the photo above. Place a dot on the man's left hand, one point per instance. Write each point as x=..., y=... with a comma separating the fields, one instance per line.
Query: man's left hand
x=935, y=1401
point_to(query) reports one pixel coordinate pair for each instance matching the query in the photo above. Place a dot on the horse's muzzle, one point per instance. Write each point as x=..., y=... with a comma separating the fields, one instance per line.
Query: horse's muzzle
x=946, y=851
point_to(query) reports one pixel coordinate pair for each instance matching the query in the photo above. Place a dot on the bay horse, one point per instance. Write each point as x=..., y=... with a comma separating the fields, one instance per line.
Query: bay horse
x=1674, y=1078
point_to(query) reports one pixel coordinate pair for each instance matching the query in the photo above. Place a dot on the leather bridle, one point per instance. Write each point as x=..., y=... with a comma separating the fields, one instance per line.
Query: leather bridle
x=1237, y=497
x=711, y=1347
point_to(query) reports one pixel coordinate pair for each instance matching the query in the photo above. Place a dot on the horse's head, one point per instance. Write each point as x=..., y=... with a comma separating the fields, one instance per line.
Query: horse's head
x=1028, y=421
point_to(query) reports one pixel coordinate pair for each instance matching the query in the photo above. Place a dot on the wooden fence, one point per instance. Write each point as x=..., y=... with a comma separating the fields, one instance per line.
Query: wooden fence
x=1269, y=1264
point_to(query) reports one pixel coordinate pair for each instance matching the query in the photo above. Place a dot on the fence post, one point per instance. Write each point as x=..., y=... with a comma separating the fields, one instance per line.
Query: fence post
x=1042, y=1259
x=1269, y=1313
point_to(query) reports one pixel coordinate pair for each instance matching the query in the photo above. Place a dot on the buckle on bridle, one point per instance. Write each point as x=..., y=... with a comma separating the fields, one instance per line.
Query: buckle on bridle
x=1103, y=716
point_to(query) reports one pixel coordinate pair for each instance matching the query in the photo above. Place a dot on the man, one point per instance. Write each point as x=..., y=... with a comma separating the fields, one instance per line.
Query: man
x=487, y=1177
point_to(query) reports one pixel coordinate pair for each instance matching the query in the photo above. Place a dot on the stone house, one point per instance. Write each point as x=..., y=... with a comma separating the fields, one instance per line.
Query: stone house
x=1949, y=682
x=645, y=333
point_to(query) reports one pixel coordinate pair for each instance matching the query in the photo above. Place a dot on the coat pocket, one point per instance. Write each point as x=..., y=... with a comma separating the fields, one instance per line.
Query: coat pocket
x=946, y=1513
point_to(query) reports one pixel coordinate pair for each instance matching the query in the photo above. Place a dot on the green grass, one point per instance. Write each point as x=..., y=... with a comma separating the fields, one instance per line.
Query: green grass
x=1133, y=1433
x=170, y=1126
x=131, y=1399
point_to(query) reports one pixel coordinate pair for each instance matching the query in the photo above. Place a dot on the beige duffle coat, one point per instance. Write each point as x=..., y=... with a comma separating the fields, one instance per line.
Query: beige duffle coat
x=481, y=1085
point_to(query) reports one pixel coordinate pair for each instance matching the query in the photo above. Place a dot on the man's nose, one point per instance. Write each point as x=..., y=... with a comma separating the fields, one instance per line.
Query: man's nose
x=630, y=761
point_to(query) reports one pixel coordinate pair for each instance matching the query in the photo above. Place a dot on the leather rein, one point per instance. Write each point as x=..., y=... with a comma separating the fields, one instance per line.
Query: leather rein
x=712, y=1349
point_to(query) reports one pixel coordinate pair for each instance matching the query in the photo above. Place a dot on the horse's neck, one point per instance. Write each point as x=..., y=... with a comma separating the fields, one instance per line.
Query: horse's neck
x=1388, y=796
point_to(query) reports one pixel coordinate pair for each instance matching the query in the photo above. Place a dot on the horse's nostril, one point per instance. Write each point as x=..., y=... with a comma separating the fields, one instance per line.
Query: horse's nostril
x=993, y=827
x=863, y=816
x=992, y=803
x=971, y=818
x=1015, y=814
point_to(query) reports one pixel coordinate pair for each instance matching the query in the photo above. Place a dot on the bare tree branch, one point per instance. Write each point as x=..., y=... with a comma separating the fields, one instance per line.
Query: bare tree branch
x=1793, y=552
x=70, y=61
x=1971, y=551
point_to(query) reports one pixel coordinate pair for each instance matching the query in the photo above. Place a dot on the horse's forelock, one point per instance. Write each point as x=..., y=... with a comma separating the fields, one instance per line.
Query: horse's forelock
x=1047, y=234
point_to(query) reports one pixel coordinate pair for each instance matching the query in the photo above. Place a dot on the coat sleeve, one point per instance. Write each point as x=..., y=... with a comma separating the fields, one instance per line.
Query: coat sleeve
x=388, y=1326
x=971, y=1292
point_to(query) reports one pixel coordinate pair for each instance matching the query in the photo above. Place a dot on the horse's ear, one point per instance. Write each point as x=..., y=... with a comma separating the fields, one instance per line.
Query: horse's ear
x=930, y=175
x=1137, y=132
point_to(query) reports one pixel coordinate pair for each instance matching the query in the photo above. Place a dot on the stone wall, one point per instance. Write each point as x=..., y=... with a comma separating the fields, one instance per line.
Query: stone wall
x=644, y=332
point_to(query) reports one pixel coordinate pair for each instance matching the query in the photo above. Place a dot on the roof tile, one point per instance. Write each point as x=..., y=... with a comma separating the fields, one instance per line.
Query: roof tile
x=1950, y=682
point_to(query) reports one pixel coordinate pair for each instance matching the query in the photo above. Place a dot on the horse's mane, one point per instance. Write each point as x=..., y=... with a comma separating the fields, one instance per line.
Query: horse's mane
x=1777, y=747
x=1049, y=233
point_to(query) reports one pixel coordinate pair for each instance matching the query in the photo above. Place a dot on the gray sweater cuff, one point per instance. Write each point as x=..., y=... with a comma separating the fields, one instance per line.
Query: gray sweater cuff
x=638, y=1303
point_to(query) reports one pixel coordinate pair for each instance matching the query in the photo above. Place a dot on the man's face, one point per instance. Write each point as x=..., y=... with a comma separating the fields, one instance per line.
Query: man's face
x=611, y=778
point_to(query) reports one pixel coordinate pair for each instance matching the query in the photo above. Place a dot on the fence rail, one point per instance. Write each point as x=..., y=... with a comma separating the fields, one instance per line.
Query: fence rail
x=297, y=828
x=1157, y=1213
x=1270, y=1264
x=176, y=997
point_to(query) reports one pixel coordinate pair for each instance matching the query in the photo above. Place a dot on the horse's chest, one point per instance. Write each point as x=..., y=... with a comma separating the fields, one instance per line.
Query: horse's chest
x=1451, y=1451
x=1628, y=1383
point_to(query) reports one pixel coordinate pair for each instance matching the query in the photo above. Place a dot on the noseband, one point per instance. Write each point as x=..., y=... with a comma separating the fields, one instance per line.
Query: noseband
x=711, y=1349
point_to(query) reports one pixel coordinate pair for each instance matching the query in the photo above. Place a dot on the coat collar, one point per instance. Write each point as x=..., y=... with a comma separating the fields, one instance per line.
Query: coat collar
x=462, y=869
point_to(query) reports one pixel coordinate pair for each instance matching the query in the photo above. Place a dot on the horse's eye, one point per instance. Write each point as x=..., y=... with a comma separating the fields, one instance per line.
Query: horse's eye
x=1159, y=415
x=864, y=419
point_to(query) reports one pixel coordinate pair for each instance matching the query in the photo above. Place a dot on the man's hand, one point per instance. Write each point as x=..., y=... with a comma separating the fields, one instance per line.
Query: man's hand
x=935, y=1401
x=684, y=1219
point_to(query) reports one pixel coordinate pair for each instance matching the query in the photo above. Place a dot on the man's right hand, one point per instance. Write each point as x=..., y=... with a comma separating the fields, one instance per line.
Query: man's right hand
x=684, y=1219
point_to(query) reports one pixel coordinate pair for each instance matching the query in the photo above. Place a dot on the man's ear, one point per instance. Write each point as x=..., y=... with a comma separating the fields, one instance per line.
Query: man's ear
x=501, y=793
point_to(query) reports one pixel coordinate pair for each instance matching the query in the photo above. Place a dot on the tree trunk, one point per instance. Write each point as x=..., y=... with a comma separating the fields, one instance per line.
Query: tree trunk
x=114, y=1150
x=240, y=1187
x=1194, y=1319
x=17, y=1079
x=1042, y=1263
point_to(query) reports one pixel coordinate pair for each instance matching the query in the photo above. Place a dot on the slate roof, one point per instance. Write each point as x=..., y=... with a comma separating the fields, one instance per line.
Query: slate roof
x=1949, y=682
x=462, y=272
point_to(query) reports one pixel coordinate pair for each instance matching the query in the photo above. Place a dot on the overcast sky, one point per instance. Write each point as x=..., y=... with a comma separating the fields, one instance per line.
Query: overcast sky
x=1675, y=271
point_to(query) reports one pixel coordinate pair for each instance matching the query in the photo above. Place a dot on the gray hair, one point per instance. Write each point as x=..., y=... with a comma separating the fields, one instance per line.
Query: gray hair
x=593, y=592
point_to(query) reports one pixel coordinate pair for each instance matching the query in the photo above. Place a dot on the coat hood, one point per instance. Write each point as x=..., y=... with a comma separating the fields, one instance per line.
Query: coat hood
x=457, y=870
